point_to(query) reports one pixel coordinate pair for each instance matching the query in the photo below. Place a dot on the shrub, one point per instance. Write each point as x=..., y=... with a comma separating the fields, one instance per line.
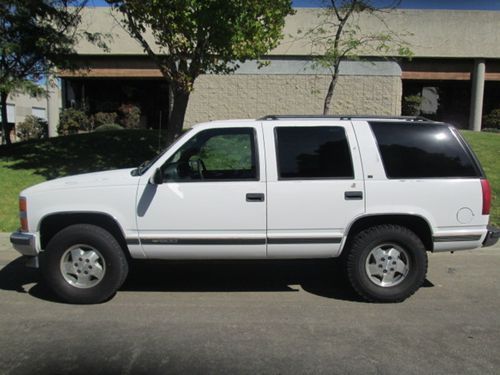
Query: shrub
x=32, y=128
x=103, y=118
x=491, y=130
x=108, y=127
x=71, y=121
x=129, y=116
x=411, y=105
x=492, y=119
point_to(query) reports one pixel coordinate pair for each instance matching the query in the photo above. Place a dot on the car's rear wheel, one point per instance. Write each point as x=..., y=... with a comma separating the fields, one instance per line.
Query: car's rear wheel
x=84, y=264
x=386, y=263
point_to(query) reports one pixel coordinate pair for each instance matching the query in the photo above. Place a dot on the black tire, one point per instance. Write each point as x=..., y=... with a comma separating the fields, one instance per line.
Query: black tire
x=372, y=238
x=90, y=237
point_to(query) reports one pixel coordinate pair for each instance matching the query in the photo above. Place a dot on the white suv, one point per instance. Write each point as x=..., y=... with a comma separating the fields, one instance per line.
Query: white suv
x=377, y=192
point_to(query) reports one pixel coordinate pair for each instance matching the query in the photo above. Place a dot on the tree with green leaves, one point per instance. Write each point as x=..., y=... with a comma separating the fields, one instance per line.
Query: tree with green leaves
x=194, y=37
x=338, y=37
x=35, y=38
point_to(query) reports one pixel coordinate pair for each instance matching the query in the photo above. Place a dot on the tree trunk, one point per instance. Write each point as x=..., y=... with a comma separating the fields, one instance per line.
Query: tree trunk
x=5, y=124
x=329, y=94
x=176, y=117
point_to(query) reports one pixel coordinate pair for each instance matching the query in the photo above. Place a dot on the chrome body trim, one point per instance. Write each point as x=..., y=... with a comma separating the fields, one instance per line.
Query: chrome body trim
x=457, y=238
x=232, y=241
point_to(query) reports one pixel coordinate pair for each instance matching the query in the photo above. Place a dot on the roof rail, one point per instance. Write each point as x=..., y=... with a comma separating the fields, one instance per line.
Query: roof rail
x=342, y=117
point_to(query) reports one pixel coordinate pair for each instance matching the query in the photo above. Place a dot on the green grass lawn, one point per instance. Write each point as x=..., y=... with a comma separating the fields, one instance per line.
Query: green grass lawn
x=487, y=148
x=28, y=163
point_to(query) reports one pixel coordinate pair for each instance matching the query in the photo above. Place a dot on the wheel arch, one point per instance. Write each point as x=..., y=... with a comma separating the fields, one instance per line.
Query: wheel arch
x=419, y=225
x=55, y=222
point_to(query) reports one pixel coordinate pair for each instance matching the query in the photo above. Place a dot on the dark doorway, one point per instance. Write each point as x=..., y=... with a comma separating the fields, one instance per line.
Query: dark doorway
x=491, y=97
x=447, y=101
x=107, y=95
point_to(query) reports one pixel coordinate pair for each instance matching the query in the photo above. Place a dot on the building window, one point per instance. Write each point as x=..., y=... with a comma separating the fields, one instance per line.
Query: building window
x=39, y=112
x=11, y=113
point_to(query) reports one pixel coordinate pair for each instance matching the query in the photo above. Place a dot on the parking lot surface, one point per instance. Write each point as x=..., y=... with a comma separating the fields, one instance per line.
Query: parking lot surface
x=254, y=317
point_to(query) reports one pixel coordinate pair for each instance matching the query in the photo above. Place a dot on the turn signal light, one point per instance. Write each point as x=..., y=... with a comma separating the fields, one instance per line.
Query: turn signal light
x=23, y=214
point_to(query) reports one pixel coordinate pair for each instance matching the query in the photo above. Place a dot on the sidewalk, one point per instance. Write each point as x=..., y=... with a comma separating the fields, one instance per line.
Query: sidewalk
x=5, y=242
x=7, y=252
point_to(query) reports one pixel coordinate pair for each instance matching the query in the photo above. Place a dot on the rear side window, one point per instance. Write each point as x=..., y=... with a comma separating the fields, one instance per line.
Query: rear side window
x=313, y=153
x=420, y=150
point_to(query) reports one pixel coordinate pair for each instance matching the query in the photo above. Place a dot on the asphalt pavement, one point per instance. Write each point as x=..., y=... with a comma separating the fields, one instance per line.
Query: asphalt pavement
x=254, y=317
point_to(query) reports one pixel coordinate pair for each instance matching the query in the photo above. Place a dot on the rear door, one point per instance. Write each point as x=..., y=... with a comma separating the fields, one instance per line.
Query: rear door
x=315, y=187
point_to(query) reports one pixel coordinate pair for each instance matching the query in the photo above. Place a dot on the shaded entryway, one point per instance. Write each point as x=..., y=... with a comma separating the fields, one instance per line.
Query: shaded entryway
x=108, y=94
x=450, y=89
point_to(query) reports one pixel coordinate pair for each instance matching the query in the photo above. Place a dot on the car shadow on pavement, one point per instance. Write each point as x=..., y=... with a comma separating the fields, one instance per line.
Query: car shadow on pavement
x=324, y=278
x=15, y=276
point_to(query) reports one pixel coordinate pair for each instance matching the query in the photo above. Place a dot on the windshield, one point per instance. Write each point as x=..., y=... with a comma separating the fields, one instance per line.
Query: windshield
x=144, y=166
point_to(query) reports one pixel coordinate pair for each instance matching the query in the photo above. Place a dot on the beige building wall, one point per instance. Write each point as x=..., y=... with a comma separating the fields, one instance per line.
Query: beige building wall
x=430, y=33
x=20, y=105
x=254, y=95
x=24, y=104
x=27, y=105
x=288, y=88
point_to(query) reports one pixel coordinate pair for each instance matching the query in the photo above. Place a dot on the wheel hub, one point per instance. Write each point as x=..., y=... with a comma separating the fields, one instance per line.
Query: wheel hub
x=83, y=266
x=387, y=265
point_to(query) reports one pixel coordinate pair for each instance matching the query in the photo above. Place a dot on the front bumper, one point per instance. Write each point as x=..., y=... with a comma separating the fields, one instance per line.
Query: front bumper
x=25, y=243
x=491, y=237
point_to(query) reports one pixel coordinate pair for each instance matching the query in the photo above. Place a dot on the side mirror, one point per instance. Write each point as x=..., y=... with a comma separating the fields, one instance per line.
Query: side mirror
x=157, y=177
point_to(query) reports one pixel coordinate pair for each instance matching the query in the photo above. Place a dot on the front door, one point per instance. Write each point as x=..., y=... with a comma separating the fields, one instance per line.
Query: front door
x=212, y=202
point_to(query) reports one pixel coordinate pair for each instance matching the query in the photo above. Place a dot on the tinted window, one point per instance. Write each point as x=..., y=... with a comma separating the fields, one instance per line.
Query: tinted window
x=420, y=150
x=313, y=152
x=214, y=155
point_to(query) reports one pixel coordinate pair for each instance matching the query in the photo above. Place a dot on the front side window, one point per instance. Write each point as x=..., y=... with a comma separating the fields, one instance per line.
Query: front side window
x=214, y=155
x=422, y=150
x=319, y=152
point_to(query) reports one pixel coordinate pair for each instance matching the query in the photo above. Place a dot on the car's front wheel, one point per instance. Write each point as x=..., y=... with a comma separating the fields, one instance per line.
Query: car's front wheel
x=386, y=263
x=84, y=264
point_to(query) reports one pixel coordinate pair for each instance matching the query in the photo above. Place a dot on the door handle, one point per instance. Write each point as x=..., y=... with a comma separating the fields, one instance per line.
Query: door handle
x=353, y=195
x=255, y=197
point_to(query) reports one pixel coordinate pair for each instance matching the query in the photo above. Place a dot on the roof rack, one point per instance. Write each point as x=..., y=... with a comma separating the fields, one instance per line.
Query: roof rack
x=342, y=117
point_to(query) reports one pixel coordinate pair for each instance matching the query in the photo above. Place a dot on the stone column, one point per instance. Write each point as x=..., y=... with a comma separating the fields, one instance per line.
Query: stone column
x=53, y=104
x=477, y=94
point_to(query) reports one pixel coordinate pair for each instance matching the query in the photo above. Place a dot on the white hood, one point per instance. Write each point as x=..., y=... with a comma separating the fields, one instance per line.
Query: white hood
x=118, y=177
